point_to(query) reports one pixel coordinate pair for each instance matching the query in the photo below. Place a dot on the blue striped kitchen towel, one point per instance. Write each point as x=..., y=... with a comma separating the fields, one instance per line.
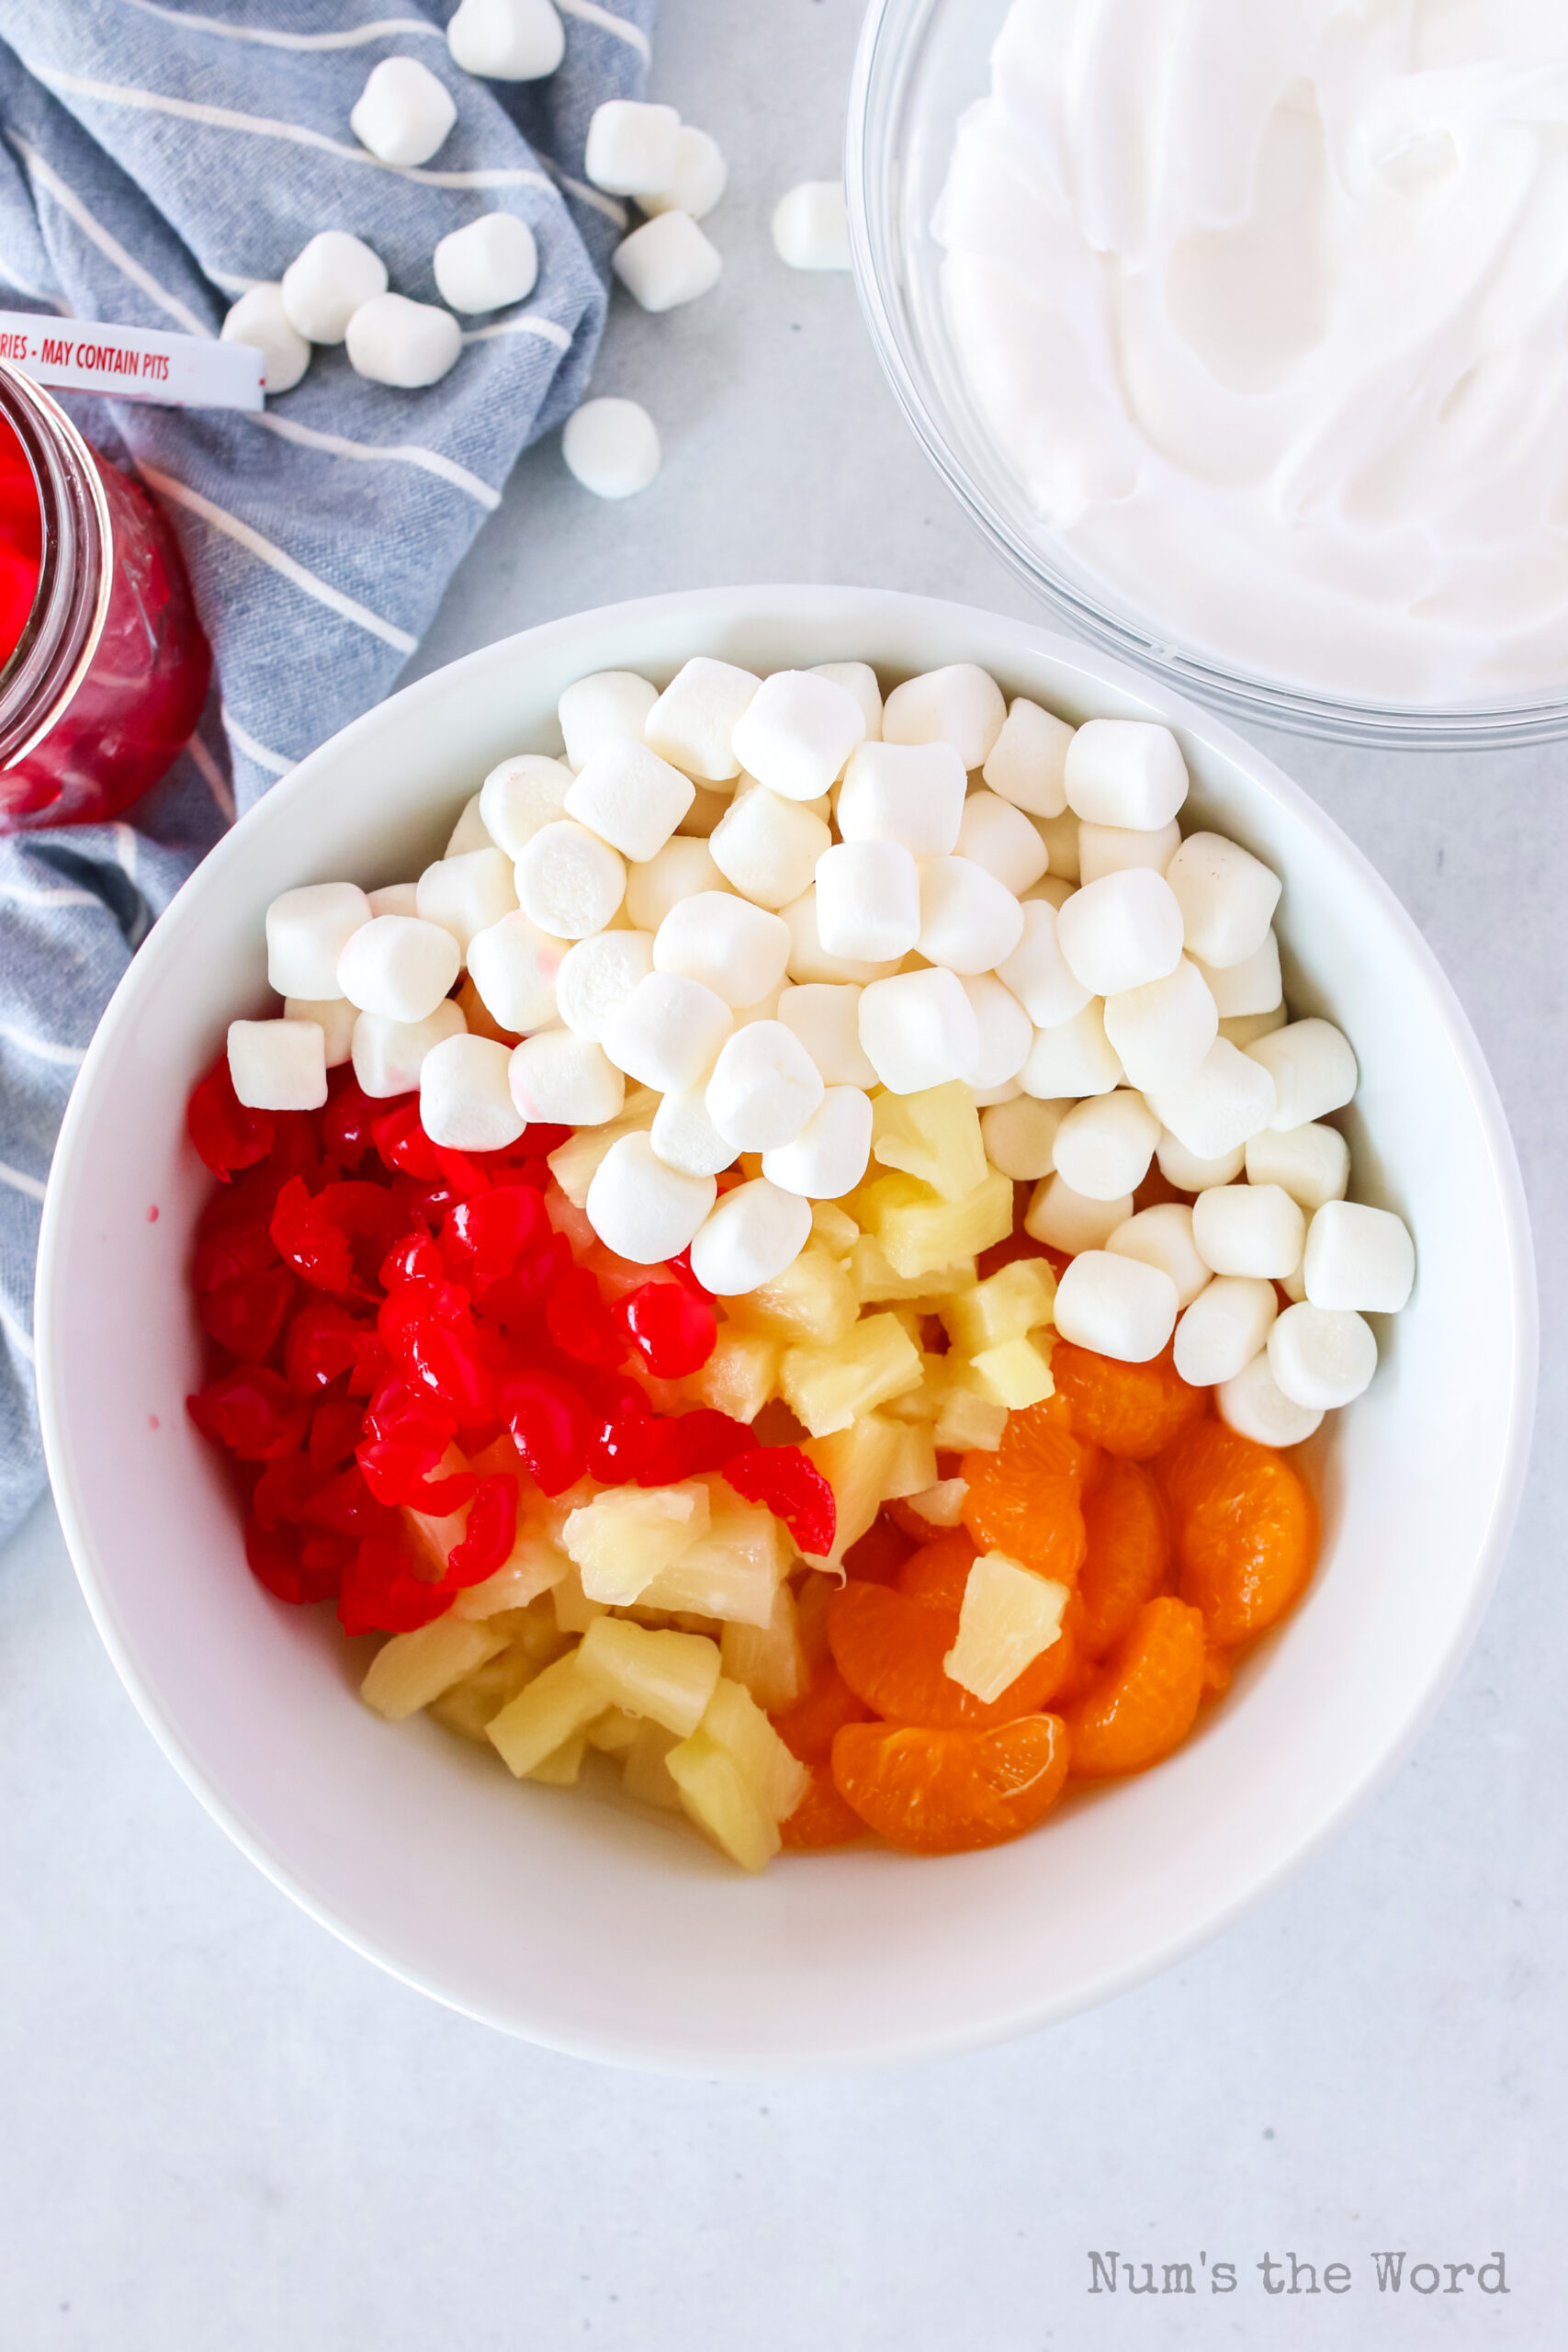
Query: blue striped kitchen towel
x=154, y=163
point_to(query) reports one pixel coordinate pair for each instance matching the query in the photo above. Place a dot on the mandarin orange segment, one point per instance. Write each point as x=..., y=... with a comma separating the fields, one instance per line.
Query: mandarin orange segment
x=1024, y=1499
x=822, y=1818
x=1135, y=1410
x=807, y=1729
x=936, y=1792
x=890, y=1650
x=1129, y=1552
x=877, y=1556
x=938, y=1572
x=1246, y=1530
x=1145, y=1702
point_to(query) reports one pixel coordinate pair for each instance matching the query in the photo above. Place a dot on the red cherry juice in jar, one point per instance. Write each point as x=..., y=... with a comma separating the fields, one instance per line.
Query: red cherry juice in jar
x=105, y=667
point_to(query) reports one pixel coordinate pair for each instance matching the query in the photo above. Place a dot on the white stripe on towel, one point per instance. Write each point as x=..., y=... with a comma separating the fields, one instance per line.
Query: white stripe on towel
x=351, y=37
x=43, y=1050
x=14, y=1333
x=632, y=34
x=585, y=195
x=70, y=202
x=256, y=753
x=407, y=453
x=217, y=782
x=20, y=1183
x=546, y=329
x=47, y=894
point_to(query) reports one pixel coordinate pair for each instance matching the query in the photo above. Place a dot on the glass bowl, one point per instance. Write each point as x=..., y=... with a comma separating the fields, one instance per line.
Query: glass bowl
x=921, y=65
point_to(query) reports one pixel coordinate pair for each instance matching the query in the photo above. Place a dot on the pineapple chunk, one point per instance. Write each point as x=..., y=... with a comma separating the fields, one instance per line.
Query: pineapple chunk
x=934, y=1136
x=411, y=1670
x=645, y=1777
x=829, y=1387
x=554, y=1706
x=624, y=1537
x=875, y=1281
x=669, y=1676
x=732, y=1571
x=942, y=1505
x=834, y=1228
x=857, y=1464
x=613, y=1732
x=575, y=1163
x=1017, y=1374
x=924, y=1403
x=469, y=1706
x=1008, y=1618
x=561, y=1769
x=968, y=1422
x=1008, y=1305
x=535, y=1565
x=573, y=1611
x=769, y=1659
x=717, y=1796
x=813, y=1300
x=913, y=1467
x=740, y=1374
x=920, y=1232
x=736, y=1721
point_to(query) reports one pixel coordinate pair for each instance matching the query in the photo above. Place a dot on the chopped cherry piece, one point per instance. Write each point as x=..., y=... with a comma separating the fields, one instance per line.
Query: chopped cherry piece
x=672, y=1330
x=314, y=1246
x=550, y=1423
x=398, y=1415
x=246, y=1316
x=711, y=1439
x=414, y=1258
x=252, y=1412
x=794, y=1490
x=581, y=1324
x=462, y=1172
x=336, y=1428
x=283, y=1491
x=681, y=1267
x=518, y=1298
x=298, y=1573
x=381, y=1592
x=403, y=1144
x=349, y=1122
x=400, y=1473
x=224, y=1132
x=227, y=1252
x=490, y=1534
x=320, y=1345
x=483, y=1237
x=346, y=1506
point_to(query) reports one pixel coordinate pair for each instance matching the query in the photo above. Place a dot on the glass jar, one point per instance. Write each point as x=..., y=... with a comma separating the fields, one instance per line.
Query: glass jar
x=107, y=681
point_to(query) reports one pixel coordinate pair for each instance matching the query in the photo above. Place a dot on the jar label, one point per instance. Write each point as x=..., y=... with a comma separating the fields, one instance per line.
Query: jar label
x=132, y=363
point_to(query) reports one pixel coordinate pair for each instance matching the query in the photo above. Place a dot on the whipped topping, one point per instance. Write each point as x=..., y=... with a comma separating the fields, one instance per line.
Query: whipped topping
x=1267, y=301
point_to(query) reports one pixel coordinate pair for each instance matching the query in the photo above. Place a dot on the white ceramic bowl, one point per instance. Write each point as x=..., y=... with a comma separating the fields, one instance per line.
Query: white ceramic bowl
x=582, y=1926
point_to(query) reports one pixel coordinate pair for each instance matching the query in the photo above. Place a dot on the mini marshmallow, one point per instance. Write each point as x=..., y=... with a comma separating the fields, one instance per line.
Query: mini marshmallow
x=598, y=708
x=644, y=1211
x=960, y=706
x=1253, y=986
x=470, y=831
x=1164, y=1029
x=1119, y=1306
x=858, y=679
x=1121, y=932
x=1104, y=1146
x=516, y=967
x=564, y=1081
x=632, y=147
x=1007, y=1033
x=909, y=793
x=1313, y=1069
x=1313, y=1163
x=1037, y=972
x=810, y=960
x=1060, y=835
x=259, y=319
x=693, y=723
x=969, y=921
x=1357, y=1259
x=985, y=1096
x=403, y=113
x=868, y=901
x=825, y=1016
x=667, y=1031
x=1000, y=838
x=1066, y=1220
x=307, y=932
x=1321, y=1358
x=1248, y=1230
x=831, y=1153
x=699, y=179
x=400, y=966
x=1027, y=763
x=768, y=847
x=407, y=345
x=753, y=1234
x=629, y=797
x=811, y=226
x=492, y=262
x=1020, y=1136
x=465, y=895
x=1223, y=1329
x=738, y=950
x=1255, y=1406
x=611, y=446
x=685, y=1137
x=335, y=1018
x=681, y=869
x=465, y=1100
x=506, y=41
x=1227, y=898
x=1244, y=1028
x=667, y=262
x=1073, y=1056
x=1125, y=772
x=1163, y=1236
x=279, y=1065
x=596, y=976
x=1187, y=1172
x=395, y=899
x=389, y=1055
x=327, y=282
x=521, y=797
x=917, y=1030
x=569, y=882
x=1228, y=1099
x=796, y=732
x=764, y=1086
x=1112, y=849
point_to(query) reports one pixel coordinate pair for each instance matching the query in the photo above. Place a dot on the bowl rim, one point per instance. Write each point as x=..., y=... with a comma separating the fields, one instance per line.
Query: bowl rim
x=716, y=609
x=1237, y=689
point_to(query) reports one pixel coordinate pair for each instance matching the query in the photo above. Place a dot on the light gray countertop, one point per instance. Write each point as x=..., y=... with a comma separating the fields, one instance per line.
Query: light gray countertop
x=221, y=2126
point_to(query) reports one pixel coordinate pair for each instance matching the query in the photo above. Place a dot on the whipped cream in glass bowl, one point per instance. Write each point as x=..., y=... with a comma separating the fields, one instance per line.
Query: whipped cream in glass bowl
x=1241, y=326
